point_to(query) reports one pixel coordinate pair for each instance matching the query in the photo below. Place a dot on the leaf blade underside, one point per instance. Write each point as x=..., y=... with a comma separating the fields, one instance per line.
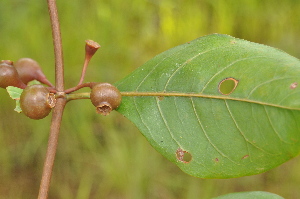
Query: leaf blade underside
x=175, y=101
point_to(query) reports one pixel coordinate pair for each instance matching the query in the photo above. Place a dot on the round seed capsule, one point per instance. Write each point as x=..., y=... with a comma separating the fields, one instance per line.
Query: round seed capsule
x=105, y=97
x=9, y=75
x=29, y=70
x=36, y=101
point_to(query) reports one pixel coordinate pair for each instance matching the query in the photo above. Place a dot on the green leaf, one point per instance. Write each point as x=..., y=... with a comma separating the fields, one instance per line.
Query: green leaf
x=250, y=195
x=218, y=107
x=15, y=93
x=33, y=82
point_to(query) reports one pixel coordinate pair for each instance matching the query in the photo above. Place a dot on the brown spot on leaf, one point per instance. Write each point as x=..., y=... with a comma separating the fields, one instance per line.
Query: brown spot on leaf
x=160, y=98
x=246, y=156
x=216, y=160
x=183, y=156
x=228, y=85
x=293, y=85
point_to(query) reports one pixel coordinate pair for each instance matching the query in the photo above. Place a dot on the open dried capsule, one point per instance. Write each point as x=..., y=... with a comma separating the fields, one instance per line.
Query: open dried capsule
x=36, y=101
x=9, y=75
x=29, y=70
x=105, y=97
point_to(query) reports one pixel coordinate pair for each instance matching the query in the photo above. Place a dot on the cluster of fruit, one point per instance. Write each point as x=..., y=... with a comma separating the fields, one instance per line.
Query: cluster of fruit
x=37, y=101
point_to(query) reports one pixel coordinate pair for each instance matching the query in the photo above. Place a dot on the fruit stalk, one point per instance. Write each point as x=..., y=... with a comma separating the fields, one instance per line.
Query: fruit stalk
x=91, y=48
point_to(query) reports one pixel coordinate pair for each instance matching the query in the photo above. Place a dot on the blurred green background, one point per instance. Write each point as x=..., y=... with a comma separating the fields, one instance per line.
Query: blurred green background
x=107, y=157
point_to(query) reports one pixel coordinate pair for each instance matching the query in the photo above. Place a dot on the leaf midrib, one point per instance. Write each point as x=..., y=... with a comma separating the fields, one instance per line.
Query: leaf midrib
x=176, y=94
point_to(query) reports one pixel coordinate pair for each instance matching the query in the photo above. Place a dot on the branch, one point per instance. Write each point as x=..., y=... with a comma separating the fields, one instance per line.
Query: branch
x=60, y=103
x=52, y=146
x=59, y=68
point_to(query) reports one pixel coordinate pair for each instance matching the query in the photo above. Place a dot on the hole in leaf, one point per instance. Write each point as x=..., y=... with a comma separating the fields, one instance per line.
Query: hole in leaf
x=183, y=156
x=293, y=85
x=228, y=85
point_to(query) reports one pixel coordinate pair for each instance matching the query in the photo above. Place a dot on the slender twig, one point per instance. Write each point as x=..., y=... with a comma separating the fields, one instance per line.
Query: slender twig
x=60, y=103
x=52, y=146
x=75, y=96
x=85, y=65
x=59, y=69
x=88, y=84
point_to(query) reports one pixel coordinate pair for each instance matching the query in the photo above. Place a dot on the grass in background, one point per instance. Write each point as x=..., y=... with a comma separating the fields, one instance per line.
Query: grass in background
x=107, y=157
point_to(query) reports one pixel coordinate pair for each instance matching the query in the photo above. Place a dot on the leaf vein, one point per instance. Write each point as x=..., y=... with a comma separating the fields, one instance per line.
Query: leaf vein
x=175, y=94
x=187, y=61
x=140, y=116
x=229, y=65
x=266, y=82
x=242, y=133
x=153, y=69
x=287, y=96
x=206, y=135
x=273, y=127
x=194, y=159
x=166, y=123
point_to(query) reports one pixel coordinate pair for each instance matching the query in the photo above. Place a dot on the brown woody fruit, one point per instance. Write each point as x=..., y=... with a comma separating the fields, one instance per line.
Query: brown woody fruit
x=9, y=75
x=36, y=101
x=105, y=97
x=29, y=70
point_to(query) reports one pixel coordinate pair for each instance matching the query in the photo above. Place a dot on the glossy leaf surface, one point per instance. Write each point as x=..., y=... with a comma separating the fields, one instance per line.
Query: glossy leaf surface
x=250, y=195
x=218, y=106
